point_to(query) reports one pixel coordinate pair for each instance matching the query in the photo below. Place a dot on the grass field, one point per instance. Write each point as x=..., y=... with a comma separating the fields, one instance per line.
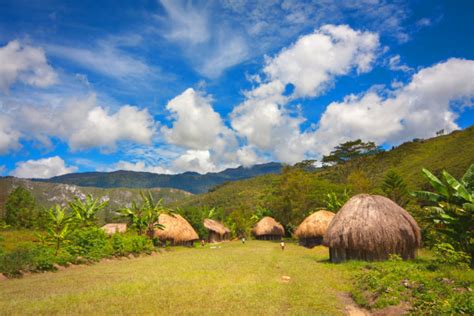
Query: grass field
x=230, y=279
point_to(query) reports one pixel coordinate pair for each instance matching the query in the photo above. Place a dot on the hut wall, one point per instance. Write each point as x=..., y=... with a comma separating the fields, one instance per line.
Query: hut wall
x=311, y=242
x=342, y=254
x=268, y=237
x=213, y=237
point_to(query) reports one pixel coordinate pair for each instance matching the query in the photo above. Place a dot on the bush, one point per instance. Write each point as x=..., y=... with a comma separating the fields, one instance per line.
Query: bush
x=31, y=258
x=123, y=244
x=91, y=243
x=441, y=292
x=446, y=254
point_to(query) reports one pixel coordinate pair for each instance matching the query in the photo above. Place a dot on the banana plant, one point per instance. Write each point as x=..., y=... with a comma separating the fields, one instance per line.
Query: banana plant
x=85, y=211
x=145, y=217
x=58, y=228
x=334, y=202
x=451, y=206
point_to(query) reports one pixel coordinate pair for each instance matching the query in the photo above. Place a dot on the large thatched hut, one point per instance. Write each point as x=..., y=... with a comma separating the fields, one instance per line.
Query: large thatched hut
x=311, y=231
x=176, y=230
x=371, y=227
x=217, y=231
x=113, y=228
x=268, y=229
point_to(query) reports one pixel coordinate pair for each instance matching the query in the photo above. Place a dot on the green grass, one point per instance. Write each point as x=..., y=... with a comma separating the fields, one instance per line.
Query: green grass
x=12, y=239
x=232, y=279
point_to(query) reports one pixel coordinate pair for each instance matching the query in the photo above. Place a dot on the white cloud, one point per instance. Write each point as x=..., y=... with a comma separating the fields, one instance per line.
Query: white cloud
x=24, y=63
x=395, y=64
x=425, y=105
x=196, y=125
x=42, y=168
x=315, y=59
x=83, y=124
x=139, y=166
x=195, y=160
x=310, y=65
x=9, y=137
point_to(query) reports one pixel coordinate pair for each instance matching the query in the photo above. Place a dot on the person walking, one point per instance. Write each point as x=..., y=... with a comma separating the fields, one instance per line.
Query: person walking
x=282, y=245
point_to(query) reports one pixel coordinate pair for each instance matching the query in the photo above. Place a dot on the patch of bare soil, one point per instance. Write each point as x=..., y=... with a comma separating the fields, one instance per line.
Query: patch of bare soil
x=351, y=308
x=400, y=309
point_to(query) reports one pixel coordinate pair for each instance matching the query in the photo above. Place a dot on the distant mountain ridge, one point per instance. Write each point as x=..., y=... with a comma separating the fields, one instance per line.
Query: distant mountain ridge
x=189, y=181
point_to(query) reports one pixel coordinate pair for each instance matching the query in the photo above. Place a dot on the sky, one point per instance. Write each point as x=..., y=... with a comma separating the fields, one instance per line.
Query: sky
x=173, y=86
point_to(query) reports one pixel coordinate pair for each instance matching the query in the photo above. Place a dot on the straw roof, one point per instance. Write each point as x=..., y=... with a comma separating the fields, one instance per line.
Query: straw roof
x=216, y=226
x=374, y=224
x=315, y=225
x=268, y=226
x=175, y=228
x=113, y=228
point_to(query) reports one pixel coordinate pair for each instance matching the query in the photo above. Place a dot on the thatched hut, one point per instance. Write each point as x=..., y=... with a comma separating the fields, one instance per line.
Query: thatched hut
x=371, y=227
x=217, y=231
x=311, y=231
x=113, y=228
x=268, y=229
x=176, y=230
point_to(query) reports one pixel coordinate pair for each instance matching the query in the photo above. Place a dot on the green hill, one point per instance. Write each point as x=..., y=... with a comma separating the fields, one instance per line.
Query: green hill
x=296, y=192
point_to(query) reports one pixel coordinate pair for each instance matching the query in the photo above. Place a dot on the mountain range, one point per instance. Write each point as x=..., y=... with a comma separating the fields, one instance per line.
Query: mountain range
x=189, y=181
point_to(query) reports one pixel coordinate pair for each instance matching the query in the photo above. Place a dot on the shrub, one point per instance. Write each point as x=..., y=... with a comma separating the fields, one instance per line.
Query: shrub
x=124, y=244
x=91, y=243
x=446, y=254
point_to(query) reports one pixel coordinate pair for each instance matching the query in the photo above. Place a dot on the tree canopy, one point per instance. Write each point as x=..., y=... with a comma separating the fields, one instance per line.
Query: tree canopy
x=350, y=150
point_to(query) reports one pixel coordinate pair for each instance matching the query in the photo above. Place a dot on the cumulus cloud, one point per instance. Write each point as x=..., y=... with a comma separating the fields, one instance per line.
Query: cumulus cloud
x=196, y=125
x=42, y=168
x=316, y=59
x=24, y=63
x=83, y=124
x=194, y=160
x=310, y=65
x=418, y=109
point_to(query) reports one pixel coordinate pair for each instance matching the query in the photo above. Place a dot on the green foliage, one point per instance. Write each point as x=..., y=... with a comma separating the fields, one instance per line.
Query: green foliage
x=21, y=208
x=351, y=150
x=196, y=216
x=335, y=201
x=378, y=285
x=451, y=208
x=395, y=188
x=31, y=258
x=85, y=211
x=144, y=217
x=446, y=254
x=91, y=243
x=359, y=182
x=125, y=244
x=260, y=213
x=59, y=227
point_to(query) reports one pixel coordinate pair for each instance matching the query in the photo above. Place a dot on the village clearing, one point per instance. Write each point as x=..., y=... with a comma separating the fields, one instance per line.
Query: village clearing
x=255, y=278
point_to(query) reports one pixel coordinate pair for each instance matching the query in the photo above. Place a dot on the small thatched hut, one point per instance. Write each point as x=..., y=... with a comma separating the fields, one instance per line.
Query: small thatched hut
x=217, y=231
x=268, y=229
x=371, y=227
x=311, y=231
x=113, y=228
x=176, y=230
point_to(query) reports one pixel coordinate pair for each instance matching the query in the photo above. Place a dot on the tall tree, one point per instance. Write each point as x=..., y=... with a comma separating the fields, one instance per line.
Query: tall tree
x=20, y=208
x=395, y=188
x=350, y=150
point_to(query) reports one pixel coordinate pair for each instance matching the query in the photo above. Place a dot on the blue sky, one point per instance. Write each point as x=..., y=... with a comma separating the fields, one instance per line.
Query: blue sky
x=173, y=86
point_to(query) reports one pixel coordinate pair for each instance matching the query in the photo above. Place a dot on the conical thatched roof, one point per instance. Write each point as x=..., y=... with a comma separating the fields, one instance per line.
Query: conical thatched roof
x=371, y=227
x=315, y=225
x=176, y=228
x=216, y=226
x=268, y=226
